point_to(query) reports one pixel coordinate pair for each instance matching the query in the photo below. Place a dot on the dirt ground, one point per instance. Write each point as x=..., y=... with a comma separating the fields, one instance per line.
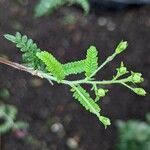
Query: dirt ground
x=44, y=106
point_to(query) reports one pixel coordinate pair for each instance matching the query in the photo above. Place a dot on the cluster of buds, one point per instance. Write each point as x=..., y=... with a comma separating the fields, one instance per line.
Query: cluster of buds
x=136, y=77
x=100, y=93
x=121, y=70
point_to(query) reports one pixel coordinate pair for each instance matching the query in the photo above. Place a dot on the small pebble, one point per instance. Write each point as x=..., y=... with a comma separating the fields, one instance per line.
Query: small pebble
x=102, y=21
x=72, y=143
x=36, y=82
x=58, y=129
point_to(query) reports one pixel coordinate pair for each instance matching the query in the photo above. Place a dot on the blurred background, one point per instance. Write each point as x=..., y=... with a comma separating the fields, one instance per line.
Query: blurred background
x=56, y=121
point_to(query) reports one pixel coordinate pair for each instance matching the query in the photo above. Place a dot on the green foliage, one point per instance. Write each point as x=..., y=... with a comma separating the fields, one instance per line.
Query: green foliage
x=86, y=101
x=134, y=135
x=74, y=67
x=28, y=47
x=4, y=93
x=52, y=65
x=8, y=116
x=91, y=62
x=84, y=98
x=83, y=3
x=48, y=6
x=136, y=77
x=53, y=70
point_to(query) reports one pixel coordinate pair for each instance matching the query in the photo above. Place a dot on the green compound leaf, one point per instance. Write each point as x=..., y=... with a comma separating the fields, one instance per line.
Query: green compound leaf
x=86, y=101
x=52, y=65
x=91, y=62
x=11, y=111
x=83, y=3
x=5, y=127
x=48, y=6
x=8, y=114
x=74, y=67
x=28, y=47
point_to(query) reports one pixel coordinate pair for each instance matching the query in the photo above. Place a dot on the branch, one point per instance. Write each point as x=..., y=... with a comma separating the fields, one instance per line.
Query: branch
x=14, y=65
x=110, y=58
x=51, y=78
x=27, y=69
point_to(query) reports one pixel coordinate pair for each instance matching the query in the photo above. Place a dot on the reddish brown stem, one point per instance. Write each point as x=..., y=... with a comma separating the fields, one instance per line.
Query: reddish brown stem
x=24, y=68
x=13, y=64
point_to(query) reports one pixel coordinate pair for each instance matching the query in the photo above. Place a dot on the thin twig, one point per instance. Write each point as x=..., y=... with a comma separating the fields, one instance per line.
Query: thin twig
x=51, y=78
x=13, y=64
x=23, y=68
x=110, y=58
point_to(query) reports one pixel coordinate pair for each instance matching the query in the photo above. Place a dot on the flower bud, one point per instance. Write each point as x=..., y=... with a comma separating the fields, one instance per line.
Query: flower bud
x=105, y=121
x=140, y=91
x=101, y=92
x=122, y=70
x=136, y=77
x=121, y=47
